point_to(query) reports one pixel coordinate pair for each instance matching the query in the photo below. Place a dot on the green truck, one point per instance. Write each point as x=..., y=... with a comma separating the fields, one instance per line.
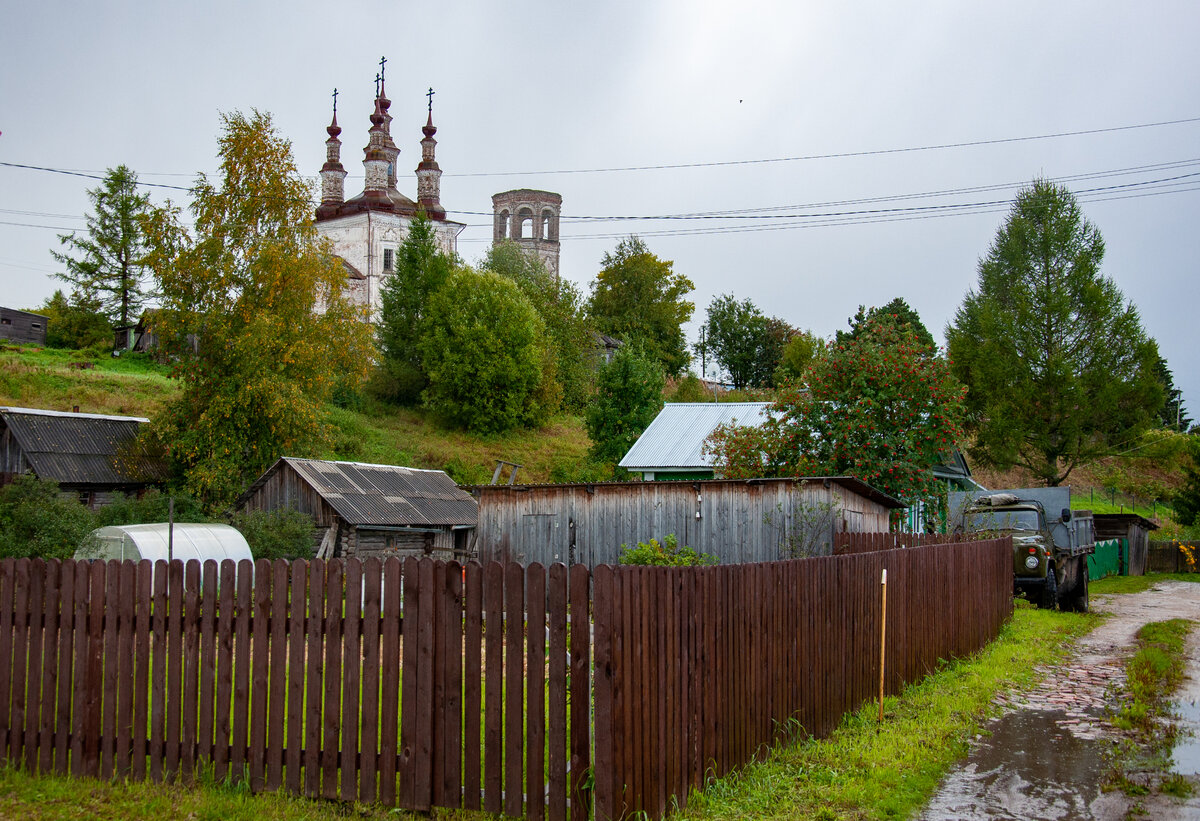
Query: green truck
x=1051, y=542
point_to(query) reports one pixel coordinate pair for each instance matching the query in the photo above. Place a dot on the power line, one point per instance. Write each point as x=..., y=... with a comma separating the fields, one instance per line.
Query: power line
x=836, y=155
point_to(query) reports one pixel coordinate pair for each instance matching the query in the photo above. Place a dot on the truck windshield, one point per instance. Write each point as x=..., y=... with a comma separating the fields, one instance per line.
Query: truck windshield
x=1002, y=520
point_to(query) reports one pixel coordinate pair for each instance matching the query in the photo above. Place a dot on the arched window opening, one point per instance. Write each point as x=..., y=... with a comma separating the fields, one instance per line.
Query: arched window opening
x=549, y=225
x=502, y=225
x=524, y=222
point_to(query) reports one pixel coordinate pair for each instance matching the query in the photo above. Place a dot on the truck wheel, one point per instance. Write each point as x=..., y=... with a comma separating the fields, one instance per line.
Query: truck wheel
x=1079, y=596
x=1049, y=591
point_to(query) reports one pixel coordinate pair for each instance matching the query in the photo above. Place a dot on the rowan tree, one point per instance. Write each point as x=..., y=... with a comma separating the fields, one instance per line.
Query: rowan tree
x=1057, y=365
x=639, y=299
x=876, y=407
x=897, y=312
x=105, y=266
x=254, y=315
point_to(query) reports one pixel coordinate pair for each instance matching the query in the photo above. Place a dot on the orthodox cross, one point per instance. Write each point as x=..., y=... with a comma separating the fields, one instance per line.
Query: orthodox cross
x=430, y=94
x=382, y=67
x=377, y=79
x=335, y=93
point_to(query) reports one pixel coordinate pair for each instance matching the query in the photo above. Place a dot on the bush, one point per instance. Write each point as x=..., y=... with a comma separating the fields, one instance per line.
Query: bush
x=153, y=506
x=667, y=553
x=36, y=521
x=277, y=534
x=628, y=398
x=485, y=353
x=572, y=471
x=688, y=389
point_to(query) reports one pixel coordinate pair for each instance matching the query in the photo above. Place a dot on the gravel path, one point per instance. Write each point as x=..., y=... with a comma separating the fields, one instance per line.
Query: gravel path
x=1046, y=757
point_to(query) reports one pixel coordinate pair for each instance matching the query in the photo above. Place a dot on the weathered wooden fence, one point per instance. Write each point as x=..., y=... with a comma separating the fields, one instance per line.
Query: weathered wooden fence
x=845, y=544
x=426, y=683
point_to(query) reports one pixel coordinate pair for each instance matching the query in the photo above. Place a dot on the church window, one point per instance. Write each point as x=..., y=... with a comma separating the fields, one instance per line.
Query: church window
x=389, y=259
x=524, y=223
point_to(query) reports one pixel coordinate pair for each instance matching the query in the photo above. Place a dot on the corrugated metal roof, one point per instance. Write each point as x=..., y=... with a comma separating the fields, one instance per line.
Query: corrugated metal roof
x=83, y=448
x=384, y=495
x=675, y=438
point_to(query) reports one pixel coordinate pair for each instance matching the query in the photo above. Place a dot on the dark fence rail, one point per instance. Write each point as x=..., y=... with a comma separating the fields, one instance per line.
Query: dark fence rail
x=851, y=543
x=423, y=683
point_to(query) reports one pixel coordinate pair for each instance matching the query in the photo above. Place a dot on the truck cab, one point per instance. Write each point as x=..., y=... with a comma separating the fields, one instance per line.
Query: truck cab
x=1050, y=550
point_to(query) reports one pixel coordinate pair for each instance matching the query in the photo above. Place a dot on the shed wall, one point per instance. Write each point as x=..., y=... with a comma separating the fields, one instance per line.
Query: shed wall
x=285, y=488
x=738, y=522
x=22, y=326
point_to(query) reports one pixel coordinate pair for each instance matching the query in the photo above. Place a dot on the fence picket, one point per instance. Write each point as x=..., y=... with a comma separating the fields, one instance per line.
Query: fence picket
x=472, y=689
x=696, y=670
x=369, y=741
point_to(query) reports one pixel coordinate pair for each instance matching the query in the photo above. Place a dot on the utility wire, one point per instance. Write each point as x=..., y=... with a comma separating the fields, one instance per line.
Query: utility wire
x=837, y=155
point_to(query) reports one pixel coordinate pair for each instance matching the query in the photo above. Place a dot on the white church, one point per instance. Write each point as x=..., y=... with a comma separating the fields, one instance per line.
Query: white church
x=366, y=230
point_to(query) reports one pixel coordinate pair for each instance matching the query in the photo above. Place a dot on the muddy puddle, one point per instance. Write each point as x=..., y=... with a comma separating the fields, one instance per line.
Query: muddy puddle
x=1185, y=757
x=1031, y=765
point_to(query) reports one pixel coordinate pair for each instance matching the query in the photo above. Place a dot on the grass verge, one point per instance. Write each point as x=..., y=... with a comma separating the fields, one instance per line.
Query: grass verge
x=49, y=798
x=1136, y=584
x=865, y=770
x=1153, y=674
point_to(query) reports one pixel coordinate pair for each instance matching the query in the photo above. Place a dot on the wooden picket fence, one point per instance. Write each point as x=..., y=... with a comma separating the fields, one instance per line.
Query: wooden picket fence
x=422, y=683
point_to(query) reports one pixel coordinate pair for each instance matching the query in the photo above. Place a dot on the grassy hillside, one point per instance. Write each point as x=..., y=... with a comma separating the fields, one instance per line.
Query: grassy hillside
x=1142, y=480
x=134, y=385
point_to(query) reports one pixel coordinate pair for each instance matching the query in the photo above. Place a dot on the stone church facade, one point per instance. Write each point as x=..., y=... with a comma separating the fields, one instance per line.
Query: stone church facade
x=367, y=230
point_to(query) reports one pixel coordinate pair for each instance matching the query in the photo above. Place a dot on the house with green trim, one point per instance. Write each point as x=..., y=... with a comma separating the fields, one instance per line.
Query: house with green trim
x=672, y=446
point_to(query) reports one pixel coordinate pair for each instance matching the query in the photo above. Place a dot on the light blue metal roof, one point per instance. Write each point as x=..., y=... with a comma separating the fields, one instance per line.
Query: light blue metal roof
x=676, y=436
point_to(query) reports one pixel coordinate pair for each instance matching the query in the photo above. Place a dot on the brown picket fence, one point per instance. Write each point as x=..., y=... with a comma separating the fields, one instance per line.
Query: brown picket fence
x=424, y=683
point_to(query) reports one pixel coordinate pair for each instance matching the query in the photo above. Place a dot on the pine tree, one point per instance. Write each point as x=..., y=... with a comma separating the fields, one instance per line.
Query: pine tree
x=108, y=270
x=1057, y=365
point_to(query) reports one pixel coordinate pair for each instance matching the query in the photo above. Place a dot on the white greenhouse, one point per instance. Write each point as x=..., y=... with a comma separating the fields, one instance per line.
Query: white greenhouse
x=163, y=541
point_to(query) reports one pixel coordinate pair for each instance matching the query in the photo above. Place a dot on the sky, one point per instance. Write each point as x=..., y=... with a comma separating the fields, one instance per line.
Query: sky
x=806, y=133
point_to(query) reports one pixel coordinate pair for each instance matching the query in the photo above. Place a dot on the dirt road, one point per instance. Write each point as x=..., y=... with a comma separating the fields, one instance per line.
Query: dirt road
x=1047, y=756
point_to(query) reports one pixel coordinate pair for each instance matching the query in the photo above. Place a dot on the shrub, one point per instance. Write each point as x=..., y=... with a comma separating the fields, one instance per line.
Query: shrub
x=667, y=553
x=277, y=534
x=36, y=521
x=153, y=506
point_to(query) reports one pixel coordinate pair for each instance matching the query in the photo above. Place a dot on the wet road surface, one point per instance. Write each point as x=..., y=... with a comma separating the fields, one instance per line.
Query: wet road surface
x=1047, y=756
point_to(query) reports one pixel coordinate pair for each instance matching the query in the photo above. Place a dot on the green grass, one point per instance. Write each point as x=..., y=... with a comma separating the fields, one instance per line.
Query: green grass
x=1153, y=674
x=1136, y=584
x=865, y=770
x=45, y=798
x=135, y=385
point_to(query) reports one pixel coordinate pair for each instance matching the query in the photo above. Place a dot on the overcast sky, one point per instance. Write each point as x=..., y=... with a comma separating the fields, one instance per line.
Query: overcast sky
x=569, y=96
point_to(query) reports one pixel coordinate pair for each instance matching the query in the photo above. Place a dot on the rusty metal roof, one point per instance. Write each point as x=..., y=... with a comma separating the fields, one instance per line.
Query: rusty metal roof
x=382, y=495
x=82, y=448
x=676, y=436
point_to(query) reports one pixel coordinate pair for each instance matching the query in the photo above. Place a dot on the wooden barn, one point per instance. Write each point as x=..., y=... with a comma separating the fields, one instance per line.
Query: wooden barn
x=89, y=455
x=370, y=510
x=756, y=520
x=1135, y=530
x=22, y=326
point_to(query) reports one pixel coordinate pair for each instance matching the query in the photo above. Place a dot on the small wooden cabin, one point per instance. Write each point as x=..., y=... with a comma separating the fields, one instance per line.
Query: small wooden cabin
x=365, y=510
x=91, y=456
x=1135, y=530
x=22, y=326
x=756, y=520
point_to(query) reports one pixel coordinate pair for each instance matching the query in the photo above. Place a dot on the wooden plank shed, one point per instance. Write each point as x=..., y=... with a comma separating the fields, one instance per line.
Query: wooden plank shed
x=23, y=326
x=1134, y=529
x=368, y=510
x=90, y=455
x=756, y=520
